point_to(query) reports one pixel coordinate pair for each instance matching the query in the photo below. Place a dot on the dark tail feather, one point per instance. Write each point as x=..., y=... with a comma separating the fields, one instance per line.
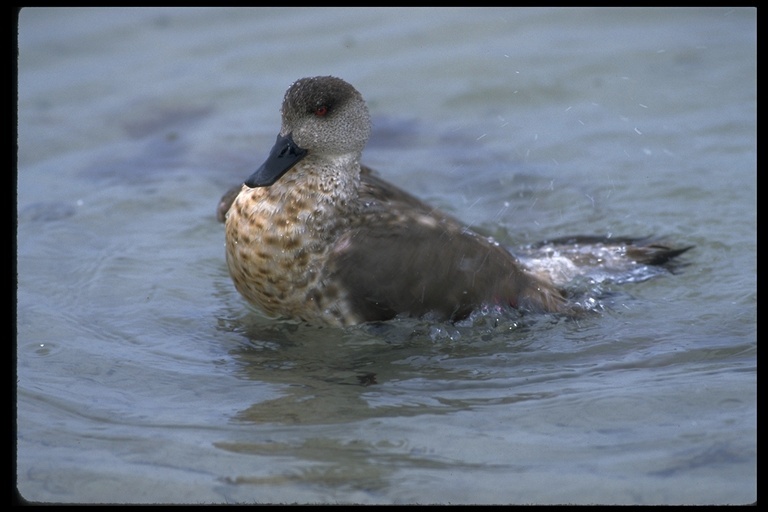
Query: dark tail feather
x=647, y=251
x=654, y=254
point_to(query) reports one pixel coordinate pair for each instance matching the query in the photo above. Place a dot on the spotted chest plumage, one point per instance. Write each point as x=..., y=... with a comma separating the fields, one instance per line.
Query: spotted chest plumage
x=278, y=242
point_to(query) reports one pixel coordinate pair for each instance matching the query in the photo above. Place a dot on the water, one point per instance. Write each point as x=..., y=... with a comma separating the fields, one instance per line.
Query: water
x=143, y=377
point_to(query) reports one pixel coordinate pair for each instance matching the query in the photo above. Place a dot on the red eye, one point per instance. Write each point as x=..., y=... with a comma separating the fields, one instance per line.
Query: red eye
x=321, y=111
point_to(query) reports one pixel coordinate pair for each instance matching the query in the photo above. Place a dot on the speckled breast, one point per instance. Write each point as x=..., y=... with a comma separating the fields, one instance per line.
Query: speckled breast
x=277, y=246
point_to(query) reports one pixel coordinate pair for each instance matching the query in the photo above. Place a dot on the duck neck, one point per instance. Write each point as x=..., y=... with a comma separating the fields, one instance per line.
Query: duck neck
x=323, y=193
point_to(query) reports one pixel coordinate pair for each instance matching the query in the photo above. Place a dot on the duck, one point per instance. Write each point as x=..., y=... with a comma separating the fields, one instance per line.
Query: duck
x=315, y=236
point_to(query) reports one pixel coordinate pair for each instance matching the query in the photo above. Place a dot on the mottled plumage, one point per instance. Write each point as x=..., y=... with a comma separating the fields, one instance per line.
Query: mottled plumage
x=313, y=235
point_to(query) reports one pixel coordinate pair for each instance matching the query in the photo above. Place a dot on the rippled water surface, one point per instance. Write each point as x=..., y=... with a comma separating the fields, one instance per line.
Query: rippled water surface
x=142, y=376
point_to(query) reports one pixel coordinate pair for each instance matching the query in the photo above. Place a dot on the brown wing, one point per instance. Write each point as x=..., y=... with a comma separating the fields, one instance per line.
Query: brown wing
x=226, y=201
x=403, y=256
